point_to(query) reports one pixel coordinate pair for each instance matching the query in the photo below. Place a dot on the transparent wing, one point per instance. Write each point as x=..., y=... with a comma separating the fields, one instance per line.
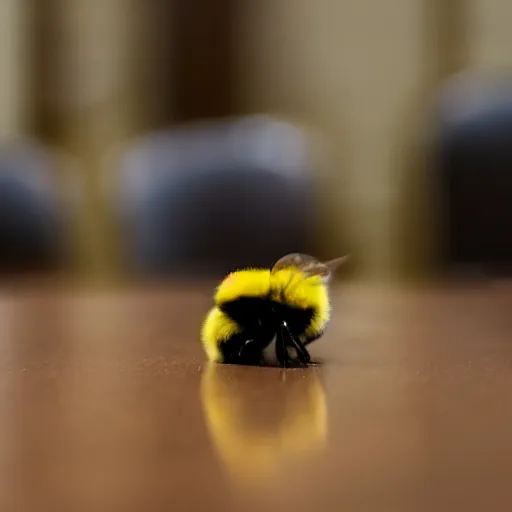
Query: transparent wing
x=335, y=264
x=309, y=265
x=296, y=260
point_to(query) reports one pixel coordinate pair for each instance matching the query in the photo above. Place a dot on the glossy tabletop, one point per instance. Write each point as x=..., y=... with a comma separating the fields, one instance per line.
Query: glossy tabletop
x=107, y=404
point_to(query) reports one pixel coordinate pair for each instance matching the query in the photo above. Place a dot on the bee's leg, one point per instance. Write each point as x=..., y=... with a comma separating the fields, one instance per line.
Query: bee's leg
x=241, y=350
x=302, y=352
x=250, y=353
x=246, y=344
x=282, y=355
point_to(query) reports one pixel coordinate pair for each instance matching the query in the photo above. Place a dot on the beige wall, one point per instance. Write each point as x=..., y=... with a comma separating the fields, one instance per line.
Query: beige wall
x=489, y=34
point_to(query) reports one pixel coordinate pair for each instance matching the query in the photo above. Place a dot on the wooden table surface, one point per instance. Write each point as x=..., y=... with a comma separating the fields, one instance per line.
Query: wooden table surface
x=106, y=404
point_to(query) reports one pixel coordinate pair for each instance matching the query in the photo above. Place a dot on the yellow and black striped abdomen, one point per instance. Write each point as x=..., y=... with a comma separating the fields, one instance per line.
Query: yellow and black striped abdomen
x=240, y=314
x=217, y=328
x=238, y=331
x=253, y=306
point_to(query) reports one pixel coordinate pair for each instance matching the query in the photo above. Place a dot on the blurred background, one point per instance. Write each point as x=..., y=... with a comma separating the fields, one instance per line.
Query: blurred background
x=152, y=138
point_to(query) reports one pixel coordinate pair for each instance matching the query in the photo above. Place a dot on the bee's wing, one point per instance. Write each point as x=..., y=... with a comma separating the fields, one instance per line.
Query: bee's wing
x=335, y=264
x=310, y=265
x=295, y=260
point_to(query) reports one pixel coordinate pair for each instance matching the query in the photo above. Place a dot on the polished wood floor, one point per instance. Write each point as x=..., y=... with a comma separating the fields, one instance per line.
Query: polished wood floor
x=106, y=404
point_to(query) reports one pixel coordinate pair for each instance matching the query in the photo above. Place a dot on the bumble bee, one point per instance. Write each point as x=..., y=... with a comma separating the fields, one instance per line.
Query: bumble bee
x=288, y=302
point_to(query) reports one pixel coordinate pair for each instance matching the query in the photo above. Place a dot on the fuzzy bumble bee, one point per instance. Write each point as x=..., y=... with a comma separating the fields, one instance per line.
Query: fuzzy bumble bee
x=288, y=302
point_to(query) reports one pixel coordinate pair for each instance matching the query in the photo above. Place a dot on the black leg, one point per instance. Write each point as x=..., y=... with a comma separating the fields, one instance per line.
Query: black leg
x=283, y=358
x=242, y=351
x=250, y=353
x=302, y=353
x=246, y=344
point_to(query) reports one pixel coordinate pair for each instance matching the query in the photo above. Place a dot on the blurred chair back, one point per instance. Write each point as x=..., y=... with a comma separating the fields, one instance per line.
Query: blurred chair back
x=31, y=211
x=211, y=197
x=474, y=156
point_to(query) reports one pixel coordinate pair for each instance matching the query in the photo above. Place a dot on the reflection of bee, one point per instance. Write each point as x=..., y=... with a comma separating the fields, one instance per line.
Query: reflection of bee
x=289, y=302
x=260, y=430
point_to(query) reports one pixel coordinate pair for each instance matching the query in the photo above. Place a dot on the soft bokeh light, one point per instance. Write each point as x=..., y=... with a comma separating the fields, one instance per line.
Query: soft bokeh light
x=149, y=147
x=185, y=142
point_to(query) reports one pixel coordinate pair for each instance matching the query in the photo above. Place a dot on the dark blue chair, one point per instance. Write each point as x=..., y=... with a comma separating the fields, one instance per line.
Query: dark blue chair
x=208, y=198
x=31, y=212
x=473, y=156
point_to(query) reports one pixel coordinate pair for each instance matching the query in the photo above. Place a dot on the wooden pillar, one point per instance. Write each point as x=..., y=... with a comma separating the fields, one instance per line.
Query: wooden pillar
x=14, y=35
x=418, y=215
x=190, y=47
x=202, y=35
x=86, y=102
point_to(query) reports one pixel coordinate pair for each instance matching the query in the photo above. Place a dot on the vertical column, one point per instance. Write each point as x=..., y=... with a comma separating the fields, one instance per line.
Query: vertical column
x=447, y=37
x=418, y=216
x=89, y=103
x=13, y=68
x=202, y=45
